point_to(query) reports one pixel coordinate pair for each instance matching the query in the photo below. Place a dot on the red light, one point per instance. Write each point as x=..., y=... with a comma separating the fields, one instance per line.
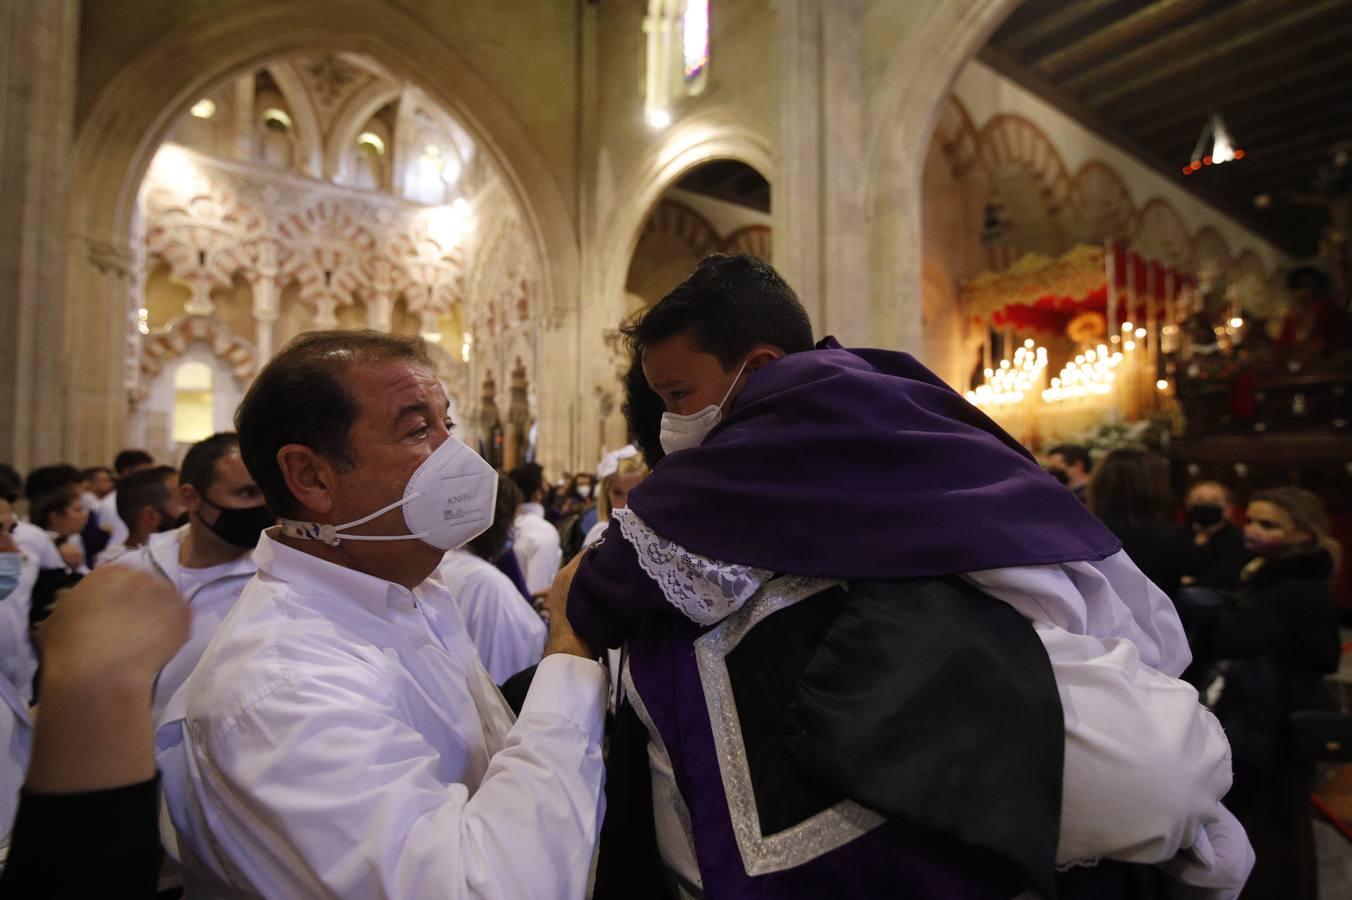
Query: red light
x=1239, y=154
x=1187, y=170
x=1206, y=160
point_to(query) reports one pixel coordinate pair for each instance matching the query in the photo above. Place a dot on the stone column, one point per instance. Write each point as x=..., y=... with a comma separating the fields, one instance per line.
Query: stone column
x=380, y=311
x=38, y=43
x=242, y=129
x=266, y=305
x=796, y=195
x=844, y=236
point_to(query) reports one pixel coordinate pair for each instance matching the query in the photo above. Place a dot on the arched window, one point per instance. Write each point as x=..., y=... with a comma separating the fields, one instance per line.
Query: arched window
x=194, y=403
x=678, y=55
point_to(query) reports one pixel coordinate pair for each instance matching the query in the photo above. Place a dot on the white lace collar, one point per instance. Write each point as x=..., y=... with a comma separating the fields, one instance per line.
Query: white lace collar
x=705, y=590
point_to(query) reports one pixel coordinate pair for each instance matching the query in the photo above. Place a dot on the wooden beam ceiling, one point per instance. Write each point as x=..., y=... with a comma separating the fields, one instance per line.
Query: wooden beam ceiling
x=1146, y=74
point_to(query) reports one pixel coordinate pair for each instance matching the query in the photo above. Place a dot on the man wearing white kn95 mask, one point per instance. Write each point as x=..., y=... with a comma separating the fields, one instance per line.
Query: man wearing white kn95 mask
x=340, y=737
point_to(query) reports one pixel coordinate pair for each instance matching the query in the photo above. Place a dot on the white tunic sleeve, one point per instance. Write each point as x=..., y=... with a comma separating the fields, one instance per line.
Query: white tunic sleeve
x=318, y=791
x=1145, y=767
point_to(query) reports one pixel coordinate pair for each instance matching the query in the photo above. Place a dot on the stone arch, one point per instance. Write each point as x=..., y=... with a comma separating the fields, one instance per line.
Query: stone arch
x=1214, y=257
x=756, y=240
x=1101, y=208
x=350, y=120
x=699, y=139
x=309, y=133
x=1012, y=138
x=671, y=217
x=159, y=348
x=1027, y=185
x=1161, y=235
x=957, y=137
x=138, y=106
x=905, y=102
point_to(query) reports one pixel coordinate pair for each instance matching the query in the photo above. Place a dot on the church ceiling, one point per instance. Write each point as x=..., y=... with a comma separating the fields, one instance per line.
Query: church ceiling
x=1147, y=74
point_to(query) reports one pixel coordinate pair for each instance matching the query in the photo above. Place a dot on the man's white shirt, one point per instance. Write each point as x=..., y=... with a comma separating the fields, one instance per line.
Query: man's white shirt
x=536, y=547
x=110, y=521
x=341, y=739
x=506, y=630
x=210, y=593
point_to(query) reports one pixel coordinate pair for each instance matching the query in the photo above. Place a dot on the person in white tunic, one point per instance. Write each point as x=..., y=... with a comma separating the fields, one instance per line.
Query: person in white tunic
x=340, y=737
x=18, y=658
x=207, y=560
x=507, y=632
x=537, y=546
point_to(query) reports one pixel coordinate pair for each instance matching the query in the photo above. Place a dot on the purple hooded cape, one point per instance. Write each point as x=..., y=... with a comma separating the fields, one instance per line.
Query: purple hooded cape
x=850, y=464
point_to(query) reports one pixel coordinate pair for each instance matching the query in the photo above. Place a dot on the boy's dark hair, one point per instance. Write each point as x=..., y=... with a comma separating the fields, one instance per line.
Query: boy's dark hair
x=89, y=473
x=529, y=478
x=141, y=489
x=199, y=464
x=491, y=543
x=130, y=459
x=11, y=483
x=46, y=480
x=729, y=304
x=298, y=398
x=1072, y=454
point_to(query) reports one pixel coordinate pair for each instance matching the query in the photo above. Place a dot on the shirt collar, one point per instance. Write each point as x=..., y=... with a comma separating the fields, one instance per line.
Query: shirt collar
x=303, y=571
x=533, y=509
x=164, y=547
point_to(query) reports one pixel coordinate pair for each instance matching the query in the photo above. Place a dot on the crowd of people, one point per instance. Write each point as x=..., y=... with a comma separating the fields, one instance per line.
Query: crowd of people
x=335, y=654
x=1253, y=588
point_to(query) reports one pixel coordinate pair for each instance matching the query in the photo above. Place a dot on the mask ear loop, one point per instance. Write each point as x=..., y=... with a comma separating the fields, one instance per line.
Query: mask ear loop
x=735, y=379
x=332, y=534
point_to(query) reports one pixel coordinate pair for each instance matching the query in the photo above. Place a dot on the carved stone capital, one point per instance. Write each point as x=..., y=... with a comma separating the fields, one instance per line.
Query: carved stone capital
x=109, y=259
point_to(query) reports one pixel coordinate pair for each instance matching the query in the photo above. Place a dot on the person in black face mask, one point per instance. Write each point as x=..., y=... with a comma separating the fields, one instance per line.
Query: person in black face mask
x=207, y=558
x=1216, y=553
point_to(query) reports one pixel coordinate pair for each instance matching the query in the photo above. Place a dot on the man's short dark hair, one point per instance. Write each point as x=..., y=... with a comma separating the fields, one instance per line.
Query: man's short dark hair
x=131, y=459
x=11, y=483
x=730, y=304
x=300, y=398
x=47, y=480
x=1072, y=454
x=492, y=542
x=529, y=478
x=199, y=463
x=138, y=490
x=44, y=506
x=89, y=473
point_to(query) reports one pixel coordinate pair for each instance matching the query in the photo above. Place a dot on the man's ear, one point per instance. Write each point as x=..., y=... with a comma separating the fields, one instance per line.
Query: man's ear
x=309, y=477
x=192, y=501
x=148, y=519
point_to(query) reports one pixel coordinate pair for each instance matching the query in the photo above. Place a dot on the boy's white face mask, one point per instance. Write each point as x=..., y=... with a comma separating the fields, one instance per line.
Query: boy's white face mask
x=682, y=432
x=448, y=502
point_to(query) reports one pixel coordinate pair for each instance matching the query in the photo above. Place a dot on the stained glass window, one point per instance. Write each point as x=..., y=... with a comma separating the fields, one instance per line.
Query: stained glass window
x=695, y=39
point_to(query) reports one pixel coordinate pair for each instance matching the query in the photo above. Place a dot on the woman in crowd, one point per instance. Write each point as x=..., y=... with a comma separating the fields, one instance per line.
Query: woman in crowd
x=620, y=472
x=1274, y=642
x=1129, y=492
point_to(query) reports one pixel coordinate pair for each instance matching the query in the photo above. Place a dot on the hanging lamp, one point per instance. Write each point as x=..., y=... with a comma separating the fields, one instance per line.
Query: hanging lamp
x=1213, y=147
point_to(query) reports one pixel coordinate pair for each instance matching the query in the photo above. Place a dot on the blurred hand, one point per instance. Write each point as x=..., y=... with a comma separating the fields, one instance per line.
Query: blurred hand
x=71, y=555
x=117, y=622
x=102, y=647
x=562, y=638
